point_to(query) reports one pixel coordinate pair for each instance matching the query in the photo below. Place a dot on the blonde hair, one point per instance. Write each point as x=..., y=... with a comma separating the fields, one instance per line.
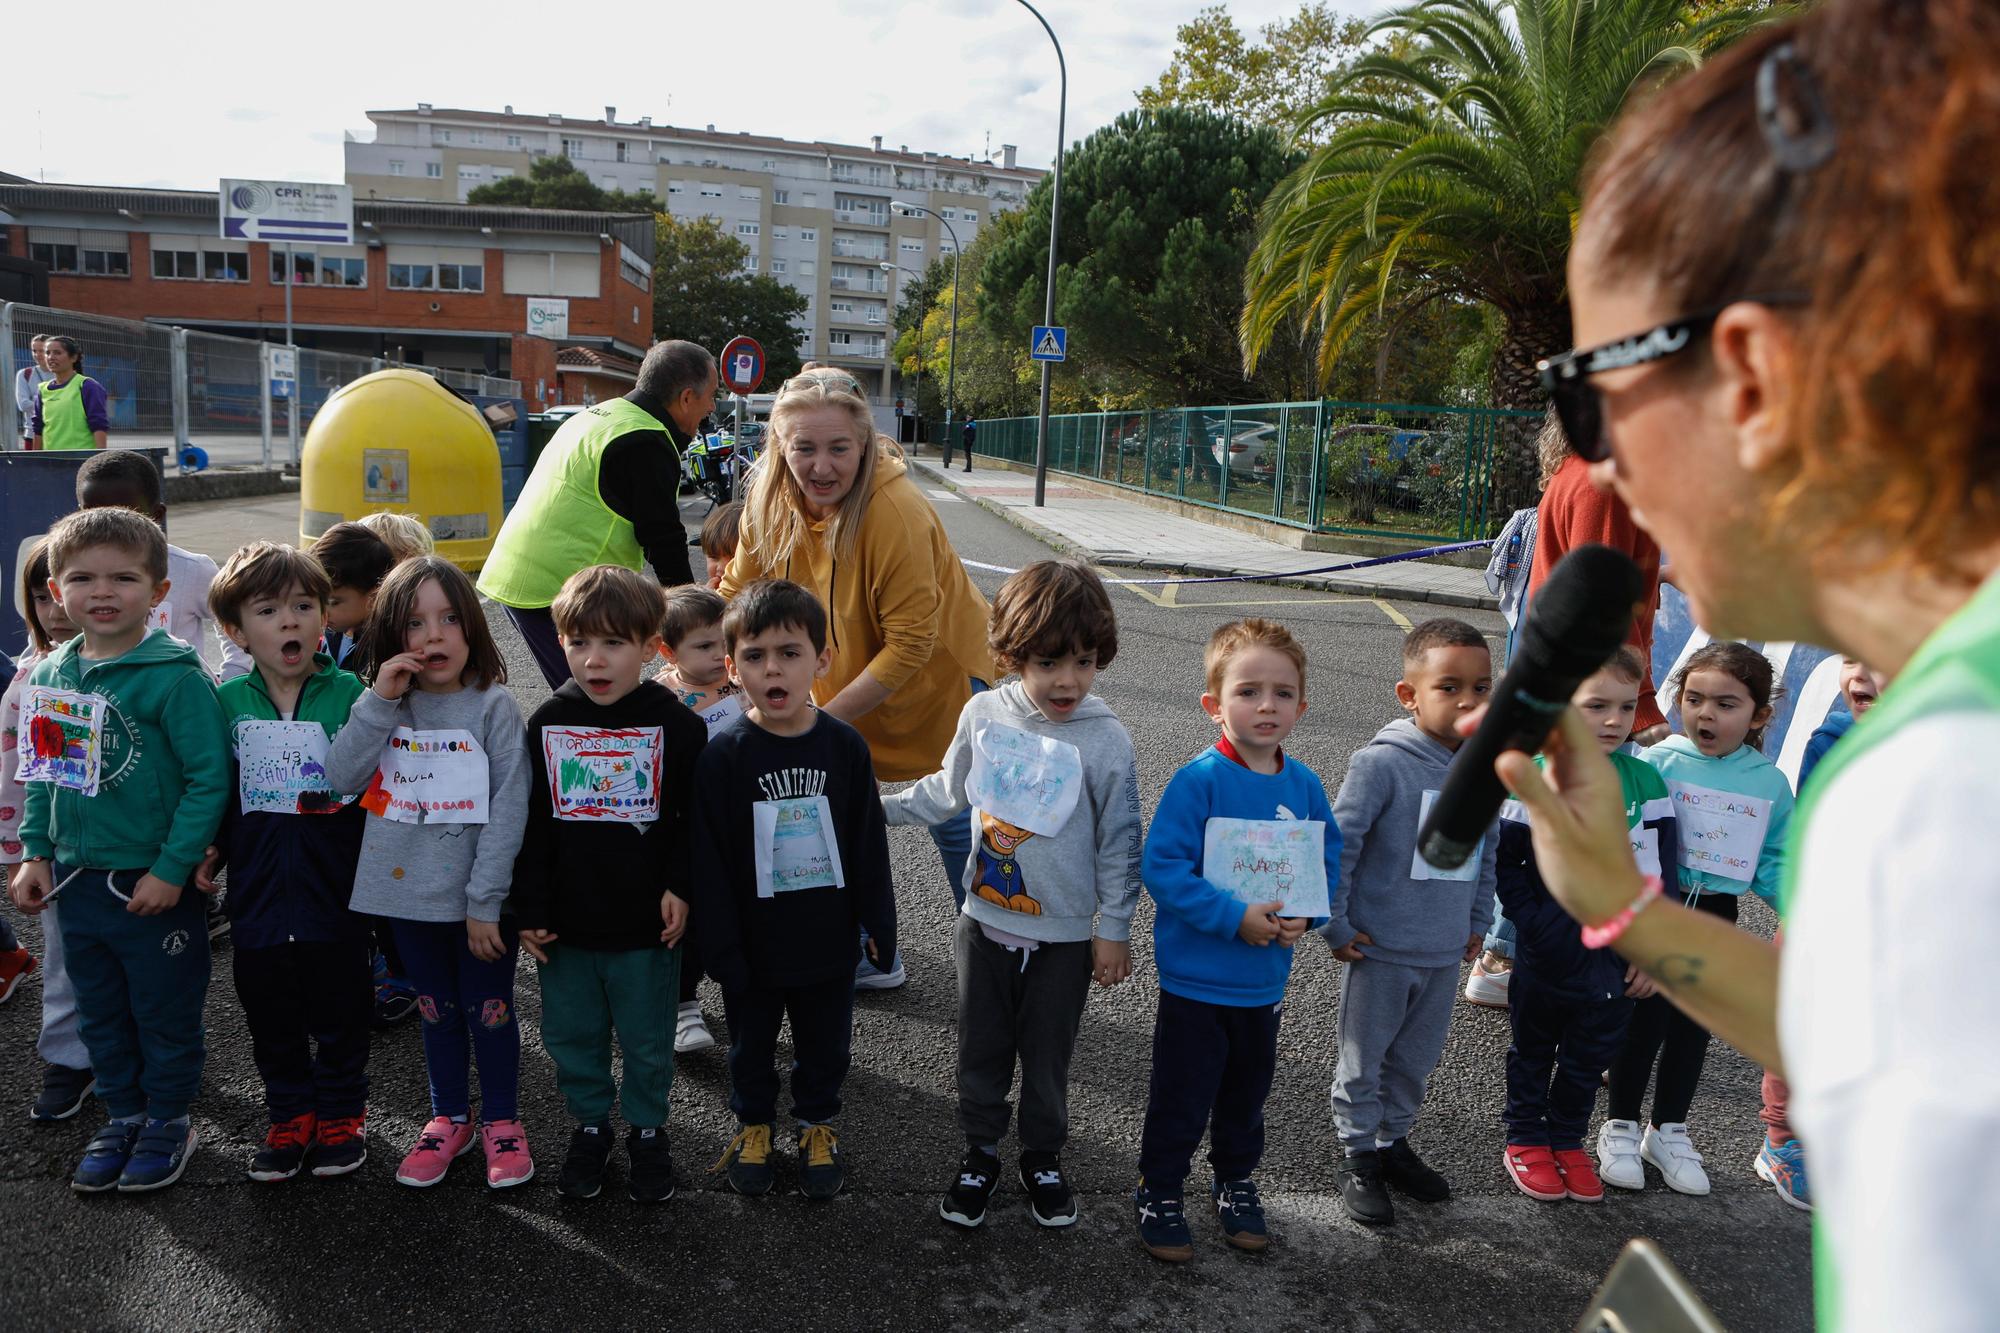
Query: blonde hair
x=776, y=524
x=406, y=537
x=1551, y=450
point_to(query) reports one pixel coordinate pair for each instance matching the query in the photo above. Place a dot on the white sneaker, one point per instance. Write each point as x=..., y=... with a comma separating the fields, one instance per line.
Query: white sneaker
x=1668, y=1148
x=1487, y=982
x=867, y=976
x=1618, y=1155
x=691, y=1030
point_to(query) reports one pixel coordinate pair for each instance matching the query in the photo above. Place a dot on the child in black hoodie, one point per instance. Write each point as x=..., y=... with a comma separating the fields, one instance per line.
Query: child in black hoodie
x=791, y=854
x=600, y=886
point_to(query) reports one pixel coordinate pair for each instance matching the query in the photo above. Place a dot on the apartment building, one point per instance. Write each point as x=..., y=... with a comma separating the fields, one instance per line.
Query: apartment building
x=814, y=215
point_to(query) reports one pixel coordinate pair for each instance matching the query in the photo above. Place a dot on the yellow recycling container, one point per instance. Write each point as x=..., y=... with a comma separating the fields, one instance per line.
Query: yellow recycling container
x=398, y=441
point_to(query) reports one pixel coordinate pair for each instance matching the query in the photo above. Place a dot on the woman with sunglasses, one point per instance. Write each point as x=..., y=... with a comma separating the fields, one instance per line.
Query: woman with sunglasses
x=832, y=507
x=1787, y=283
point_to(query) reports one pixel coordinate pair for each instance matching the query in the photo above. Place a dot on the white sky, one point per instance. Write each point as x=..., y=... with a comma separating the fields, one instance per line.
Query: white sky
x=143, y=94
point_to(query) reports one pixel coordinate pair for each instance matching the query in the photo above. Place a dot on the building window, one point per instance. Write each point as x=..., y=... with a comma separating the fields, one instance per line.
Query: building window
x=948, y=214
x=183, y=265
x=839, y=338
x=676, y=187
x=840, y=307
x=910, y=247
x=60, y=256
x=468, y=175
x=750, y=263
x=810, y=199
x=412, y=277
x=225, y=265
x=302, y=267
x=809, y=233
x=444, y=136
x=333, y=266
x=709, y=191
x=969, y=215
x=874, y=175
x=781, y=196
x=781, y=233
x=749, y=192
x=513, y=141
x=807, y=268
x=343, y=270
x=501, y=173
x=478, y=137
x=747, y=228
x=395, y=167
x=621, y=151
x=461, y=277
x=769, y=165
x=434, y=170
x=572, y=149
x=777, y=266
x=632, y=271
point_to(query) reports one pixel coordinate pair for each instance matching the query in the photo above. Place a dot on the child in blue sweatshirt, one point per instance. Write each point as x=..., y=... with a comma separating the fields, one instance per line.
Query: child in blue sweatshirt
x=1733, y=806
x=1403, y=926
x=1242, y=857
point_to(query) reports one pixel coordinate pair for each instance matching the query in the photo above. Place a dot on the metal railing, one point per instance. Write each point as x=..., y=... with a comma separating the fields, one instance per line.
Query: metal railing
x=168, y=386
x=1380, y=469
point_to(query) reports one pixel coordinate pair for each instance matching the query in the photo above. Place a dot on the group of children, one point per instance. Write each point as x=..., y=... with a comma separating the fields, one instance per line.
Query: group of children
x=367, y=781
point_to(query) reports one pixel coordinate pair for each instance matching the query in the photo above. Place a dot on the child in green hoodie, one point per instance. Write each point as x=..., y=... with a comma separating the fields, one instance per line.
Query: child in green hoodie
x=126, y=764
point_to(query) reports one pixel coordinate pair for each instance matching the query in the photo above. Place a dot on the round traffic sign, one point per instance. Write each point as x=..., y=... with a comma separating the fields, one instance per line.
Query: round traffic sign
x=742, y=365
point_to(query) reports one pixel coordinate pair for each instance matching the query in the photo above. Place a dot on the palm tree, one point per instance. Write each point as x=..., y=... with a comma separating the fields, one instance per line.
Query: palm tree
x=1452, y=167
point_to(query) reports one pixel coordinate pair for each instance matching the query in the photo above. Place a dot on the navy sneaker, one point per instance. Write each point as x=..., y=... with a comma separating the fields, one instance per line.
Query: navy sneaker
x=63, y=1093
x=748, y=1159
x=159, y=1156
x=821, y=1173
x=104, y=1158
x=1163, y=1227
x=1241, y=1213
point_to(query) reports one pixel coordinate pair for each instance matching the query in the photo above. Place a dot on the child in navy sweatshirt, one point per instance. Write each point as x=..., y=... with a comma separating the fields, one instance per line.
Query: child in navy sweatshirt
x=1403, y=925
x=1242, y=857
x=791, y=858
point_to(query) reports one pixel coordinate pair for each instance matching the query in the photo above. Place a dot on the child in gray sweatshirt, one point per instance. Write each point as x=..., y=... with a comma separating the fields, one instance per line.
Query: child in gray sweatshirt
x=1401, y=925
x=1055, y=782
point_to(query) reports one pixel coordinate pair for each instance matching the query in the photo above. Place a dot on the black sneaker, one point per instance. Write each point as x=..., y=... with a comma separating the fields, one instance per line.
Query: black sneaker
x=821, y=1174
x=284, y=1149
x=1405, y=1170
x=583, y=1167
x=1163, y=1227
x=1241, y=1213
x=64, y=1091
x=748, y=1158
x=978, y=1176
x=649, y=1176
x=1050, y=1198
x=340, y=1146
x=1361, y=1188
x=218, y=920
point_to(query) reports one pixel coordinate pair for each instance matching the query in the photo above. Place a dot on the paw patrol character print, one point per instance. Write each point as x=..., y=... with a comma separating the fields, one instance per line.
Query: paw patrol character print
x=996, y=874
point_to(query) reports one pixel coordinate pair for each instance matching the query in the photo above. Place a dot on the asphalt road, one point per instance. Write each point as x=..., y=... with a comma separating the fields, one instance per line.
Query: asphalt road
x=364, y=1252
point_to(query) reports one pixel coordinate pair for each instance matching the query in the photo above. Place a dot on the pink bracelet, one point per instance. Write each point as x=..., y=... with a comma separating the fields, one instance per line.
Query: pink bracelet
x=1596, y=937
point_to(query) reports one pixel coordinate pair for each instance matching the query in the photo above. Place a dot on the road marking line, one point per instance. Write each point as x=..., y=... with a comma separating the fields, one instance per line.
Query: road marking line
x=946, y=497
x=1169, y=598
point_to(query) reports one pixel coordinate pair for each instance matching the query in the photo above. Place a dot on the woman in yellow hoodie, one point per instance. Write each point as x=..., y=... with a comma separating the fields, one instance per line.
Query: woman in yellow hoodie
x=833, y=508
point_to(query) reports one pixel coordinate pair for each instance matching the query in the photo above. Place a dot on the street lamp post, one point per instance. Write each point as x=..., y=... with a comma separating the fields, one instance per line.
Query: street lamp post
x=918, y=392
x=951, y=352
x=1055, y=233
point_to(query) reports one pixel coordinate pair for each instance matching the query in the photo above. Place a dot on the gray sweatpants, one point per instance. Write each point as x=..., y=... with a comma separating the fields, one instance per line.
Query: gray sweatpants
x=61, y=1040
x=1008, y=1012
x=1393, y=1021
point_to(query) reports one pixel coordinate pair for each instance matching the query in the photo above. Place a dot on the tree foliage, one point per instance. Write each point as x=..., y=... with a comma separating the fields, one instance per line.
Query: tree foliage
x=556, y=182
x=993, y=376
x=701, y=293
x=1158, y=215
x=1273, y=82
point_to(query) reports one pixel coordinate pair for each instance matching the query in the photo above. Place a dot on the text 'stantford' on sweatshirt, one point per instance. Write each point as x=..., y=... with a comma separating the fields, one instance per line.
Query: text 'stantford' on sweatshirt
x=1044, y=886
x=1416, y=915
x=437, y=870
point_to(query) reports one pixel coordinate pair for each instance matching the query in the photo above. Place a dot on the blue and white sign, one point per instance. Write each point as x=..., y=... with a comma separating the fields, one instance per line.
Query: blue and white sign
x=284, y=372
x=287, y=212
x=1048, y=342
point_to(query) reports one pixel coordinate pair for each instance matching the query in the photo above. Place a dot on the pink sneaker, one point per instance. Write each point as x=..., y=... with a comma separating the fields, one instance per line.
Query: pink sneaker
x=442, y=1142
x=507, y=1160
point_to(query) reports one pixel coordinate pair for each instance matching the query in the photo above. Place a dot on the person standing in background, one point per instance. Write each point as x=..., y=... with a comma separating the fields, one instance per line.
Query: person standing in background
x=27, y=388
x=71, y=409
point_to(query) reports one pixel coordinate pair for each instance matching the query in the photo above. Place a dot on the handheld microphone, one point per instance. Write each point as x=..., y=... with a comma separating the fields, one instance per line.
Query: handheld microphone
x=1574, y=624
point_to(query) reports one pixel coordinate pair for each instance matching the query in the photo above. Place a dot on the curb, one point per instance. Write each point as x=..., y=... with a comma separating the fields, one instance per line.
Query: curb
x=1361, y=587
x=228, y=484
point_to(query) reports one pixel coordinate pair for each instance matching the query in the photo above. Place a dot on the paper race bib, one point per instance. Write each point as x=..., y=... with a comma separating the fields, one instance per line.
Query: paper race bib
x=1422, y=869
x=1268, y=860
x=430, y=777
x=62, y=738
x=603, y=773
x=721, y=713
x=281, y=769
x=1646, y=849
x=1722, y=833
x=1030, y=781
x=796, y=846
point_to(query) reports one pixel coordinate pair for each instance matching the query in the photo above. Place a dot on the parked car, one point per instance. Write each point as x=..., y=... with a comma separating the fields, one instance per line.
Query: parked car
x=1250, y=450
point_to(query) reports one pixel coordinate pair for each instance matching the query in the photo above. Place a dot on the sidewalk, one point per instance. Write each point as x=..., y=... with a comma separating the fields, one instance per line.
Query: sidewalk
x=1110, y=531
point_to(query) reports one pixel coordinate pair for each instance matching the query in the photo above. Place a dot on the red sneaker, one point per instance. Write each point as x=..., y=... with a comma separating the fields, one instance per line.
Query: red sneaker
x=1579, y=1175
x=1533, y=1171
x=14, y=965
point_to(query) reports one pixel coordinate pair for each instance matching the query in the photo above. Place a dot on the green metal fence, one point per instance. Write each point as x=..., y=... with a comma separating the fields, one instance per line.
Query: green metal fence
x=1385, y=469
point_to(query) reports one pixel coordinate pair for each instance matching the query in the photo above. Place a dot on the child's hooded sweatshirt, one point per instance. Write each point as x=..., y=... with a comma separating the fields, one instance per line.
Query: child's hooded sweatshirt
x=1733, y=813
x=1417, y=915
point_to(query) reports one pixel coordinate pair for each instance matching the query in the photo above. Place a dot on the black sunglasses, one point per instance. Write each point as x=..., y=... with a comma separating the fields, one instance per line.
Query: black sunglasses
x=1579, y=406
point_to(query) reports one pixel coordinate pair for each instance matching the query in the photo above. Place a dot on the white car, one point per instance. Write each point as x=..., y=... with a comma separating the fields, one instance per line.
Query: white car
x=1244, y=451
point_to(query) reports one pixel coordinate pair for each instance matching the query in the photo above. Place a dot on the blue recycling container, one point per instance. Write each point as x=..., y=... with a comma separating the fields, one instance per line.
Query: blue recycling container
x=36, y=489
x=516, y=446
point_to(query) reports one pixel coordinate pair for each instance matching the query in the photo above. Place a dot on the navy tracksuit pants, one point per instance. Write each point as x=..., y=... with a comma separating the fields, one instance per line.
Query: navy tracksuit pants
x=309, y=1005
x=1563, y=1043
x=1212, y=1068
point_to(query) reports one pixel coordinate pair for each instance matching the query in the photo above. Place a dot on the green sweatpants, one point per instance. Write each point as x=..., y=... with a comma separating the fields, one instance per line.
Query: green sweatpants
x=586, y=993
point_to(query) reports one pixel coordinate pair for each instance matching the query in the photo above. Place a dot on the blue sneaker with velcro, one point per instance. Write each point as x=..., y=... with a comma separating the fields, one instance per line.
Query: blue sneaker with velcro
x=159, y=1156
x=104, y=1158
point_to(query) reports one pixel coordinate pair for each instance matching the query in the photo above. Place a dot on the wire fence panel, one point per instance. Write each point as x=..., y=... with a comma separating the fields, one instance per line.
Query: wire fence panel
x=134, y=362
x=1387, y=469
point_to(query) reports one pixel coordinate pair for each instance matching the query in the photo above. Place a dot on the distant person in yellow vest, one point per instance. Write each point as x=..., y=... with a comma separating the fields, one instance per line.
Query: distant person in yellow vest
x=71, y=412
x=605, y=491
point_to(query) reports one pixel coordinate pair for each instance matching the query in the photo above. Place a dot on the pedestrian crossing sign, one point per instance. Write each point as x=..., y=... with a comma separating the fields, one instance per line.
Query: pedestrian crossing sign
x=1048, y=342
